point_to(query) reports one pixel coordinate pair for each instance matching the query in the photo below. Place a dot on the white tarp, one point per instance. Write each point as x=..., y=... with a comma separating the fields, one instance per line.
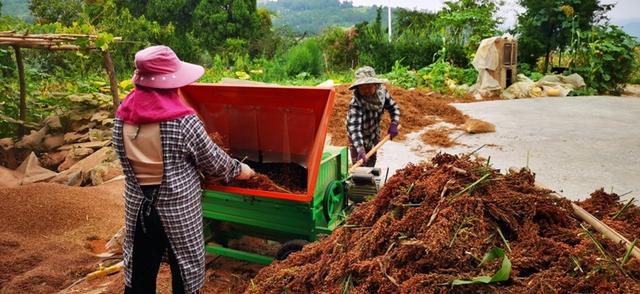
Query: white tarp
x=486, y=60
x=550, y=85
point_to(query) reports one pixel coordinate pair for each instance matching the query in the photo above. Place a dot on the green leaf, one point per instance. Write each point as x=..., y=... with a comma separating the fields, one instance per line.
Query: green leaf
x=501, y=275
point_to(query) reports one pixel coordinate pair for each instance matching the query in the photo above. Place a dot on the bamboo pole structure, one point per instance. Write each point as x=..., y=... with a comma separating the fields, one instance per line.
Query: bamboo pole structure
x=113, y=84
x=23, y=89
x=54, y=42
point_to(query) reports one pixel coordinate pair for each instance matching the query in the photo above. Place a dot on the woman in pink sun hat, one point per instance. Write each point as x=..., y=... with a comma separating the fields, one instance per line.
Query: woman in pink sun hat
x=163, y=147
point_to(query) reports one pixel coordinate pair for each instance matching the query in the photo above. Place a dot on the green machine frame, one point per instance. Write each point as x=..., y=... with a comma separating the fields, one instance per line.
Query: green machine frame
x=230, y=216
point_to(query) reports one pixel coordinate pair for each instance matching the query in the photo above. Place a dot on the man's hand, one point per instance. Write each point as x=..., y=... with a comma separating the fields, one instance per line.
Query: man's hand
x=245, y=172
x=393, y=130
x=362, y=155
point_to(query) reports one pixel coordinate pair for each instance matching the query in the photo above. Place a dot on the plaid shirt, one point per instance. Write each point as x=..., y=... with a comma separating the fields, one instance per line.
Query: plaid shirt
x=363, y=124
x=186, y=150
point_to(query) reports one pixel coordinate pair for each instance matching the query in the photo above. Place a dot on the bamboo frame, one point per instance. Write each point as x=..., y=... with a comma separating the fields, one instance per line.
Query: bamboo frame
x=54, y=42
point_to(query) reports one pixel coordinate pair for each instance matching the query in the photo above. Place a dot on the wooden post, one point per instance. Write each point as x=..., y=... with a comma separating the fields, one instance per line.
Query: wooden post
x=113, y=84
x=23, y=91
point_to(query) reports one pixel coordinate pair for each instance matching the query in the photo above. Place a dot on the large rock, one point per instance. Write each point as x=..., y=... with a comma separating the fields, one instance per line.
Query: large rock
x=52, y=142
x=82, y=126
x=81, y=171
x=53, y=159
x=69, y=177
x=98, y=135
x=100, y=116
x=33, y=140
x=31, y=171
x=94, y=145
x=73, y=157
x=6, y=143
x=75, y=137
x=12, y=157
x=104, y=172
x=53, y=123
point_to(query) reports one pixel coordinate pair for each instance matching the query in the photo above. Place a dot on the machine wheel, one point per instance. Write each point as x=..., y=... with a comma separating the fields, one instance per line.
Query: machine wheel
x=289, y=247
x=334, y=200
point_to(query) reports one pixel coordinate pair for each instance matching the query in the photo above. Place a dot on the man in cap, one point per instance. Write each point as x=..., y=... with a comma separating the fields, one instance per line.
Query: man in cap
x=370, y=99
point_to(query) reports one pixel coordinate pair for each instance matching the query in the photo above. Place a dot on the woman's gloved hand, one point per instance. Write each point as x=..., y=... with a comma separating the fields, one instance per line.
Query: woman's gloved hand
x=362, y=155
x=245, y=172
x=393, y=130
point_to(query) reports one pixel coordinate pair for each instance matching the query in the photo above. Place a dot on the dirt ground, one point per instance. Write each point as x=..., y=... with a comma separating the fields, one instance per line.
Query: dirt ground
x=223, y=275
x=50, y=233
x=632, y=90
x=418, y=109
x=46, y=233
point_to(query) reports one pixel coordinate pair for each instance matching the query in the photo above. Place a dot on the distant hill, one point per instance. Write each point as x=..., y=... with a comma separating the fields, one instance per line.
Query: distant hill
x=631, y=26
x=312, y=16
x=17, y=8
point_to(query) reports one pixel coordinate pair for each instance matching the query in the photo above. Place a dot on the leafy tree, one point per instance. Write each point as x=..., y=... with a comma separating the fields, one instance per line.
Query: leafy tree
x=606, y=59
x=547, y=25
x=179, y=13
x=406, y=20
x=467, y=22
x=136, y=7
x=377, y=24
x=205, y=25
x=373, y=48
x=339, y=48
x=219, y=20
x=63, y=11
x=175, y=13
x=138, y=32
x=269, y=41
x=306, y=57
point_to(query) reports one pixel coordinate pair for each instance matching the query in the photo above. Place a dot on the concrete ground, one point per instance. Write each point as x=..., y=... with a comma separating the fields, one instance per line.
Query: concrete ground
x=575, y=145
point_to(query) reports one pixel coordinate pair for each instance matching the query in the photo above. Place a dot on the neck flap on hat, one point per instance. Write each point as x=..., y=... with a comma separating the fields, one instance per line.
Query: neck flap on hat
x=148, y=105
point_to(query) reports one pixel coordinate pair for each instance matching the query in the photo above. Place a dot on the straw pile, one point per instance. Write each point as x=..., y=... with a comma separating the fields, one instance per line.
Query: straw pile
x=432, y=223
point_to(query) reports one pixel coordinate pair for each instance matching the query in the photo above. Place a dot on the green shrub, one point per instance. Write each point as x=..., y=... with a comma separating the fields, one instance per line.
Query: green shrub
x=339, y=48
x=274, y=70
x=443, y=77
x=457, y=55
x=635, y=76
x=401, y=76
x=416, y=50
x=606, y=59
x=305, y=57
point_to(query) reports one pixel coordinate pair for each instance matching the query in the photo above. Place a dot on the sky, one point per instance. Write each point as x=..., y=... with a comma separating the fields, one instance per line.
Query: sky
x=625, y=9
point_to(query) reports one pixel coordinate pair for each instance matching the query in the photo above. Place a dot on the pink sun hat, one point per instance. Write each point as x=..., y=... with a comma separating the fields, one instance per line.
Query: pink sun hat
x=159, y=67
